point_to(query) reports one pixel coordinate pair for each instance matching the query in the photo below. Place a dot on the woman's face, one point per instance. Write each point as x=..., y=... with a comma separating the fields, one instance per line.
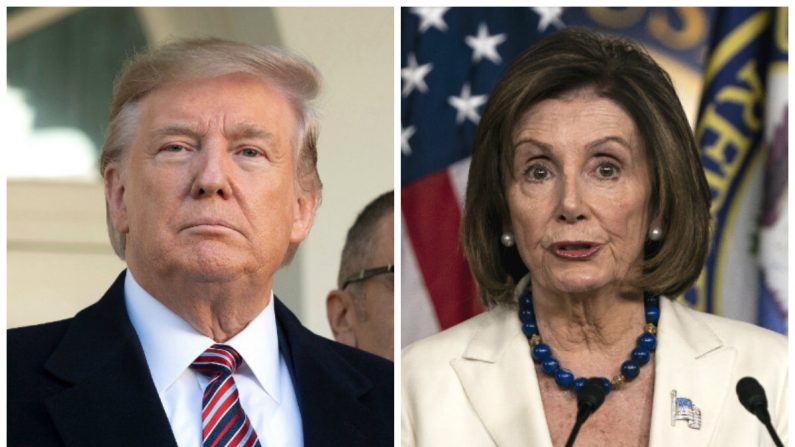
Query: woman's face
x=579, y=194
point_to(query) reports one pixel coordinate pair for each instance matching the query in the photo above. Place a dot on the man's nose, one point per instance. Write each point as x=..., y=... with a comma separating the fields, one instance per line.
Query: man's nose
x=572, y=208
x=212, y=170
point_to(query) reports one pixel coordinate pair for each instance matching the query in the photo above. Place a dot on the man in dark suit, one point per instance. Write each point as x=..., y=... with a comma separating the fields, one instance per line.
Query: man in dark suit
x=211, y=183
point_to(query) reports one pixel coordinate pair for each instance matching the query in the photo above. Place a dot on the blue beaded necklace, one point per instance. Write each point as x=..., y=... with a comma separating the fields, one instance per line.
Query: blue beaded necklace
x=630, y=369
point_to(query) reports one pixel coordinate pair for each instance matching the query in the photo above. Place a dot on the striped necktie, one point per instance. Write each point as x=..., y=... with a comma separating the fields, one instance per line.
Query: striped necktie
x=224, y=423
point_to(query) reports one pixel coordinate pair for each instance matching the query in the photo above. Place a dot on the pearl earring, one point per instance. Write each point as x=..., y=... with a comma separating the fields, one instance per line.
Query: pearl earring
x=507, y=239
x=655, y=234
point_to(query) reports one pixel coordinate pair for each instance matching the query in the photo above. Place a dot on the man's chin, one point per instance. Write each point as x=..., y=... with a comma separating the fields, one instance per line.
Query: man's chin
x=213, y=267
x=213, y=276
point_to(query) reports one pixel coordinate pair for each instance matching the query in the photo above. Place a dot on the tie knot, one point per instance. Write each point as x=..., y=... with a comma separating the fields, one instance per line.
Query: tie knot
x=217, y=360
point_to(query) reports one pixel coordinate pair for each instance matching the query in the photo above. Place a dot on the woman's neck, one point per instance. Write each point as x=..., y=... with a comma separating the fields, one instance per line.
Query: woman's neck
x=603, y=321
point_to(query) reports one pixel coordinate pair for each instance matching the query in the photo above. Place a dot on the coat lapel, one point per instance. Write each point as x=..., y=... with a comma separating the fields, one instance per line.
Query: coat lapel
x=499, y=379
x=328, y=389
x=690, y=359
x=108, y=397
x=496, y=372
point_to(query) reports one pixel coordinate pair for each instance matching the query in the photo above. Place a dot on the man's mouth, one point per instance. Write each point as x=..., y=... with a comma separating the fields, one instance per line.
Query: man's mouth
x=210, y=225
x=575, y=250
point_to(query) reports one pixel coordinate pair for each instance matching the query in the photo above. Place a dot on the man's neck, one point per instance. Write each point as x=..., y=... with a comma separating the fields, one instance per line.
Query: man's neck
x=217, y=309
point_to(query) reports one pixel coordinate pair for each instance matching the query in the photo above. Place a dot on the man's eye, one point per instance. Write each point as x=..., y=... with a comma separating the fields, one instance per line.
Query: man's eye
x=174, y=148
x=248, y=152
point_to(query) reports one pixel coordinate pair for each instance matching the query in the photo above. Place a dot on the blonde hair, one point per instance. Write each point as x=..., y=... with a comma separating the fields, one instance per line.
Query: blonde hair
x=193, y=59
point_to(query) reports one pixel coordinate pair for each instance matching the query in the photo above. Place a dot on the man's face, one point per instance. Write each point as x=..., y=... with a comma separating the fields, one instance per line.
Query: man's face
x=374, y=332
x=208, y=187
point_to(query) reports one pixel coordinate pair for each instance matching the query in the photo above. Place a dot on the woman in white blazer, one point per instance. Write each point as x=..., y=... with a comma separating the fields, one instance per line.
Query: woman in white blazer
x=586, y=206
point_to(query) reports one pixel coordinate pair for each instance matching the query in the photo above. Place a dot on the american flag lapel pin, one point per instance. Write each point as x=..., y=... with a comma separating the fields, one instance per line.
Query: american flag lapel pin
x=683, y=409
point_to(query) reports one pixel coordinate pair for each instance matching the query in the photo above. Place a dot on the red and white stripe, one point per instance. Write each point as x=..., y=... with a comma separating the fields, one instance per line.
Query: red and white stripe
x=435, y=274
x=223, y=417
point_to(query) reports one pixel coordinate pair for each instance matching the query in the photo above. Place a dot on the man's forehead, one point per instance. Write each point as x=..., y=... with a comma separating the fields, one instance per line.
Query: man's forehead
x=240, y=91
x=237, y=130
x=240, y=105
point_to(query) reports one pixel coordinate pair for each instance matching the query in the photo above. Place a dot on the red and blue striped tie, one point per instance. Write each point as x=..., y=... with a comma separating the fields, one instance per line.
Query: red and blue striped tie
x=224, y=423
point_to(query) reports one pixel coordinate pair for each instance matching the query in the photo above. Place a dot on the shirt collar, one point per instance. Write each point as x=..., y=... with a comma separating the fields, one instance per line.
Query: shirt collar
x=170, y=344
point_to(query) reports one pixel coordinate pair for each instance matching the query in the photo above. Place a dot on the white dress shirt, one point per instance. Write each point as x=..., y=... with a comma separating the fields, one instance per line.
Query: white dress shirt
x=263, y=381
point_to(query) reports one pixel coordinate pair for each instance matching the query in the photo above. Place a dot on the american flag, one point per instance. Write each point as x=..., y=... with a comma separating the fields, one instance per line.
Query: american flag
x=683, y=409
x=451, y=58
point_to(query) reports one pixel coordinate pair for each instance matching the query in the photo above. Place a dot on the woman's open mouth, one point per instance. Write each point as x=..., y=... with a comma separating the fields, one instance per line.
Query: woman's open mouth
x=575, y=250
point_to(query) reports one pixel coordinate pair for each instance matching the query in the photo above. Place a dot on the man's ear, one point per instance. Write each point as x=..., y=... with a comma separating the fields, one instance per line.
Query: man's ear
x=303, y=214
x=114, y=197
x=341, y=317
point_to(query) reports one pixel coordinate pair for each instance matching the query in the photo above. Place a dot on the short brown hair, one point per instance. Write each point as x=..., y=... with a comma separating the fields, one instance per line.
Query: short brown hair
x=193, y=59
x=621, y=71
x=361, y=238
x=360, y=245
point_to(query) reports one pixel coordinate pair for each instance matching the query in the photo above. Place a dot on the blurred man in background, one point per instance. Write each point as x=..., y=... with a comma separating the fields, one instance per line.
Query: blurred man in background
x=361, y=310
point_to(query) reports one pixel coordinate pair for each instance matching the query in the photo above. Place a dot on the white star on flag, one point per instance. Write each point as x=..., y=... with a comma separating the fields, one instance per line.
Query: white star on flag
x=431, y=17
x=484, y=45
x=405, y=135
x=549, y=16
x=414, y=76
x=467, y=105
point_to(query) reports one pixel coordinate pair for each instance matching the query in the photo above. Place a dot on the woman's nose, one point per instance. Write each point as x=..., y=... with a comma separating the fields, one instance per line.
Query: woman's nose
x=572, y=208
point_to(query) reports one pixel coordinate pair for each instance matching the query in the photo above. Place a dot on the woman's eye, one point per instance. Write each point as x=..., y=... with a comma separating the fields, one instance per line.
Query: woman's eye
x=248, y=152
x=537, y=173
x=607, y=170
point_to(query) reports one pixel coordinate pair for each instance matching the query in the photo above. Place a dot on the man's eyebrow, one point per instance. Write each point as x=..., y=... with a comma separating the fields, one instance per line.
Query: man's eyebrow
x=177, y=129
x=240, y=131
x=250, y=131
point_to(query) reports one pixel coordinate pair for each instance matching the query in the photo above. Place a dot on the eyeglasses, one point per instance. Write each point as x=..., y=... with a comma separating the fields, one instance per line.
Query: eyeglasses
x=367, y=273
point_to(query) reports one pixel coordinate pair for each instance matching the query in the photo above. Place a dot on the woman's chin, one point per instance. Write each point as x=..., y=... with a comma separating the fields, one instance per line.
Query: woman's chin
x=578, y=289
x=576, y=283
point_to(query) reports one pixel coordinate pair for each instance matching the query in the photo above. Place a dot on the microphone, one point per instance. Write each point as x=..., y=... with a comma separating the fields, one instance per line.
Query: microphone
x=753, y=398
x=589, y=399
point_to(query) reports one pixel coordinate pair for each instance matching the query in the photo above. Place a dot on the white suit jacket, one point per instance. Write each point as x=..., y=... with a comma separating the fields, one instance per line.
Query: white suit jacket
x=475, y=384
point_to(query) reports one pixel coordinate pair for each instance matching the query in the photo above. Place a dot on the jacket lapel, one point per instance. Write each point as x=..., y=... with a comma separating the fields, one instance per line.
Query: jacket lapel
x=690, y=359
x=496, y=372
x=499, y=379
x=108, y=397
x=328, y=389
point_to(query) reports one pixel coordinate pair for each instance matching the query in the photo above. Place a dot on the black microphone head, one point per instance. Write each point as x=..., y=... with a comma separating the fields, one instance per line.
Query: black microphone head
x=751, y=394
x=592, y=394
